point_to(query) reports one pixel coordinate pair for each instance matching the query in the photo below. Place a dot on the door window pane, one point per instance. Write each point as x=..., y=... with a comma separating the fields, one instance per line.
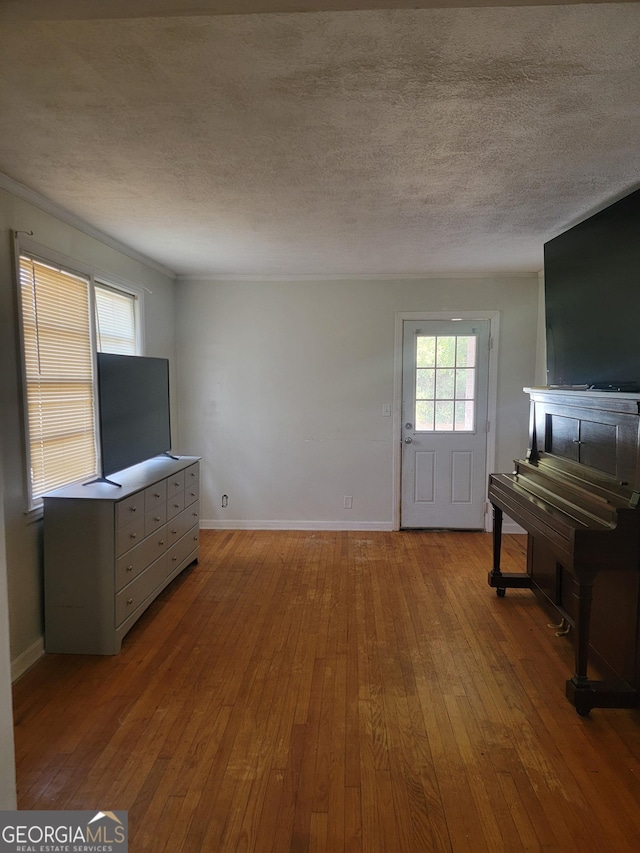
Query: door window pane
x=466, y=351
x=425, y=384
x=426, y=351
x=445, y=383
x=464, y=384
x=446, y=351
x=444, y=415
x=464, y=416
x=424, y=415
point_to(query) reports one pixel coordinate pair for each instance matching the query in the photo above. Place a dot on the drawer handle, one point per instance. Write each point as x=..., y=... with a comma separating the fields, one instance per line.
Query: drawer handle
x=174, y=559
x=129, y=568
x=194, y=514
x=173, y=532
x=133, y=535
x=193, y=473
x=192, y=494
x=129, y=601
x=176, y=483
x=133, y=508
x=161, y=542
x=157, y=518
x=156, y=494
x=195, y=538
x=176, y=506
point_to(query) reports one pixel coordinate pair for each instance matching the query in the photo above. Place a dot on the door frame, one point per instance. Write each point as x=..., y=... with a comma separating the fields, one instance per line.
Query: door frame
x=492, y=400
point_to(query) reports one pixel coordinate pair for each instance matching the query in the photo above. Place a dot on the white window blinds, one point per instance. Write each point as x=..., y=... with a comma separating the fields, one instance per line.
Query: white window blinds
x=115, y=321
x=59, y=376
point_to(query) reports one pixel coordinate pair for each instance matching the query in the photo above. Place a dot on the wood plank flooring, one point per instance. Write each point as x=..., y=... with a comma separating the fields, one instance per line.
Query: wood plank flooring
x=310, y=691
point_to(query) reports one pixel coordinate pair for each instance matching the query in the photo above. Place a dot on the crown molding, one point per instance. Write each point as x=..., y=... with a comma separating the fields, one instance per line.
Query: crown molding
x=64, y=215
x=416, y=276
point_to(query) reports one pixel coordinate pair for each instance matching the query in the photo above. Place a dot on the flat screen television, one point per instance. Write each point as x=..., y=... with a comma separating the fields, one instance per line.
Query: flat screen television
x=592, y=296
x=133, y=406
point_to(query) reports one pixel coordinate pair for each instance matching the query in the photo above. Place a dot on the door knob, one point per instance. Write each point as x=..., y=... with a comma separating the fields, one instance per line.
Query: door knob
x=408, y=440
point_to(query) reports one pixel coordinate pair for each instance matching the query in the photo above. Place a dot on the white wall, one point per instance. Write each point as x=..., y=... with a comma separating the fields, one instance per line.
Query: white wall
x=23, y=533
x=281, y=387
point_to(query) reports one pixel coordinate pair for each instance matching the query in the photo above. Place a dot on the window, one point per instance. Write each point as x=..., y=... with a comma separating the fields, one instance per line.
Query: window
x=115, y=321
x=445, y=383
x=58, y=364
x=58, y=341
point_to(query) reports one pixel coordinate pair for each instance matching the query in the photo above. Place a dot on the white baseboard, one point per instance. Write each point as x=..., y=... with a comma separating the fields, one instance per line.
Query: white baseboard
x=236, y=524
x=27, y=659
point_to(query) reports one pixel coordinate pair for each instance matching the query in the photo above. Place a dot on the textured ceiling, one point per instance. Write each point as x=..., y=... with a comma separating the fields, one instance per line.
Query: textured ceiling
x=386, y=141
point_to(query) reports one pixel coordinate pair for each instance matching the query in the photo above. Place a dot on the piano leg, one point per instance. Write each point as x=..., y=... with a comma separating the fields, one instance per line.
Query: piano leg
x=581, y=690
x=497, y=538
x=497, y=579
x=496, y=574
x=583, y=693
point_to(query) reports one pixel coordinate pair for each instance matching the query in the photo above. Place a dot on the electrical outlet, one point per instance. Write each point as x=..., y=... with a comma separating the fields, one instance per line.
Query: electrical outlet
x=348, y=502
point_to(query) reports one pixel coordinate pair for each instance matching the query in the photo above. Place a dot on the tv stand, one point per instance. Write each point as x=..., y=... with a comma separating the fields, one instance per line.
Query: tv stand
x=103, y=480
x=108, y=553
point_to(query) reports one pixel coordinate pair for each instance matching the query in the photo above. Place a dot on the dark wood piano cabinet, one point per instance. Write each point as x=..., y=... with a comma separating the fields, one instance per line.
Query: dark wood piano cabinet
x=576, y=493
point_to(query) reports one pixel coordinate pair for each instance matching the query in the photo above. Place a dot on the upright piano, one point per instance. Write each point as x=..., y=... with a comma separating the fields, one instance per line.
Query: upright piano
x=577, y=495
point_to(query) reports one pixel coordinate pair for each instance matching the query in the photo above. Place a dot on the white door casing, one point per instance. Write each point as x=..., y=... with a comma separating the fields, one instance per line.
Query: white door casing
x=445, y=446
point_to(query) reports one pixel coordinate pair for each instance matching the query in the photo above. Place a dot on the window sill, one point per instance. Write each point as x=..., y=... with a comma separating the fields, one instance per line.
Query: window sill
x=34, y=515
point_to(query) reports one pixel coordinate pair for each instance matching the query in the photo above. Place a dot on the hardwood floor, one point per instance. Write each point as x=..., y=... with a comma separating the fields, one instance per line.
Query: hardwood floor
x=334, y=691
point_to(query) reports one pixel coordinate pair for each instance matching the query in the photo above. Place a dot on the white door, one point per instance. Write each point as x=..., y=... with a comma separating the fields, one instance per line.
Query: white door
x=445, y=381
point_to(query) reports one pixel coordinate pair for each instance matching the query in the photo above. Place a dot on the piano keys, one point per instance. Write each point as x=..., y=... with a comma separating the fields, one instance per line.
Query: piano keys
x=576, y=494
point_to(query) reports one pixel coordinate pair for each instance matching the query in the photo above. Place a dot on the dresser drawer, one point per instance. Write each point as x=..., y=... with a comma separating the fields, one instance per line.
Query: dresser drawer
x=178, y=526
x=155, y=519
x=175, y=483
x=132, y=596
x=155, y=495
x=175, y=504
x=192, y=475
x=191, y=493
x=129, y=536
x=129, y=509
x=129, y=565
x=181, y=550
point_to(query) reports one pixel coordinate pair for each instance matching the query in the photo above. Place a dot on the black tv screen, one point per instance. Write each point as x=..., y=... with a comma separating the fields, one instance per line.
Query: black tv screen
x=592, y=296
x=133, y=405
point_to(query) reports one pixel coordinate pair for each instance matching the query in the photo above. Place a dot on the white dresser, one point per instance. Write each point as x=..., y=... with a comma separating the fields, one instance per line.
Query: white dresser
x=109, y=550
